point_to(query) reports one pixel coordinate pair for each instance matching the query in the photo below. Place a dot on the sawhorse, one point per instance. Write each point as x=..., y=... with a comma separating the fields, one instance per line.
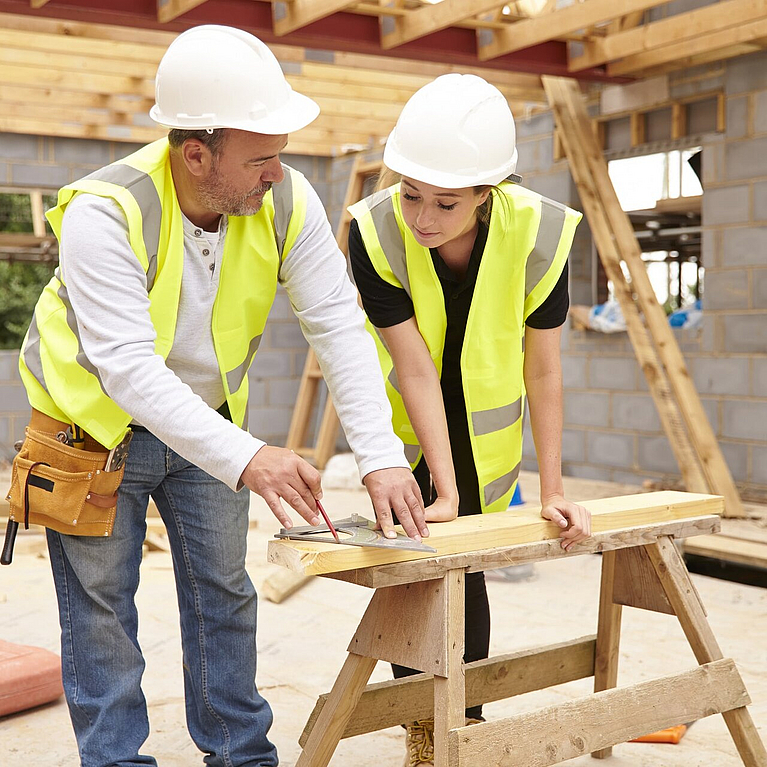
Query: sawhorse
x=416, y=618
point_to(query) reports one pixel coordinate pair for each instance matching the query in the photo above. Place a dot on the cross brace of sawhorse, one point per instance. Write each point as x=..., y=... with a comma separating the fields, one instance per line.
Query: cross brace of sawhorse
x=416, y=616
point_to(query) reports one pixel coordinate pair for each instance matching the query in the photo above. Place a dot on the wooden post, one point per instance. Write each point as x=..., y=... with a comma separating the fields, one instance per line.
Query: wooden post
x=608, y=636
x=450, y=689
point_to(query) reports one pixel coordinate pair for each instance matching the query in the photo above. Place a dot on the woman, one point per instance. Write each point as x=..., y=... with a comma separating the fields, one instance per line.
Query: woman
x=463, y=276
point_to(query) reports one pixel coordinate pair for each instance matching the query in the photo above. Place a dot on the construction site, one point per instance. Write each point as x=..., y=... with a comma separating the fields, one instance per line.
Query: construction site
x=650, y=118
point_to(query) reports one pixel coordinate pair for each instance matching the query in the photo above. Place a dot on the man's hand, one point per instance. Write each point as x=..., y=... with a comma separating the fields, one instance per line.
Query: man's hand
x=397, y=490
x=275, y=473
x=568, y=515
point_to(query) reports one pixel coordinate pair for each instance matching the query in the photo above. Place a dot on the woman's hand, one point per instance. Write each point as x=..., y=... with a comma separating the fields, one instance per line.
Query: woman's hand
x=574, y=520
x=444, y=509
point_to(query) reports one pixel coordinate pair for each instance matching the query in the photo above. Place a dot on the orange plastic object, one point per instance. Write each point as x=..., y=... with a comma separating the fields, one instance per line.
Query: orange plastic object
x=669, y=735
x=29, y=676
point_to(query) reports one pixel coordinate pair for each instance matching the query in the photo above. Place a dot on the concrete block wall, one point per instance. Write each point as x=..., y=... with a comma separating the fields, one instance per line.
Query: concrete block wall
x=612, y=430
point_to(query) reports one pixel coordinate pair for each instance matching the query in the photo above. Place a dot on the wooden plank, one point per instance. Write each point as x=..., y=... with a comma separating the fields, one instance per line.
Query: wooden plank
x=474, y=533
x=689, y=609
x=38, y=214
x=702, y=438
x=282, y=584
x=449, y=683
x=638, y=128
x=579, y=142
x=565, y=731
x=406, y=625
x=167, y=10
x=678, y=120
x=428, y=19
x=636, y=584
x=387, y=704
x=682, y=52
x=507, y=556
x=675, y=29
x=529, y=32
x=335, y=716
x=608, y=634
x=751, y=553
x=293, y=14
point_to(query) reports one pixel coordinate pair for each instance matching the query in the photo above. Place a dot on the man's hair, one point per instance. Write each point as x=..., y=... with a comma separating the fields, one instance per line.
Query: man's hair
x=214, y=141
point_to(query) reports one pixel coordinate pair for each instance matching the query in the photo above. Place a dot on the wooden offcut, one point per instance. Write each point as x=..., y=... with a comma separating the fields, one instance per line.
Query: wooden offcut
x=493, y=531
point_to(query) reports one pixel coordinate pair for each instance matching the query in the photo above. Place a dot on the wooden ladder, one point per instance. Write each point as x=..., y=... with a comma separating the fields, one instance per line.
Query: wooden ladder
x=312, y=376
x=681, y=413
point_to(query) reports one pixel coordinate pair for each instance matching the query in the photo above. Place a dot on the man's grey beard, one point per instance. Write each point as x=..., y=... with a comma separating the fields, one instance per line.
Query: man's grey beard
x=214, y=195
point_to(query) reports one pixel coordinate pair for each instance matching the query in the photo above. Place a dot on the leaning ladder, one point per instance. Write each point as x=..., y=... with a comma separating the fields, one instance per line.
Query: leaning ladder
x=685, y=422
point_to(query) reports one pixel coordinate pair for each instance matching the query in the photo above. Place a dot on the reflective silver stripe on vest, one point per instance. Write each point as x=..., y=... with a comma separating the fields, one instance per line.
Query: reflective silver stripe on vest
x=282, y=194
x=32, y=357
x=82, y=360
x=411, y=452
x=141, y=186
x=393, y=380
x=381, y=206
x=234, y=378
x=498, y=487
x=523, y=344
x=546, y=243
x=495, y=419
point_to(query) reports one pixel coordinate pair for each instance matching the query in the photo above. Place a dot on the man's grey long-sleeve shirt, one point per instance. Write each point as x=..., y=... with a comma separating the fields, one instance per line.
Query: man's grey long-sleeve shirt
x=176, y=399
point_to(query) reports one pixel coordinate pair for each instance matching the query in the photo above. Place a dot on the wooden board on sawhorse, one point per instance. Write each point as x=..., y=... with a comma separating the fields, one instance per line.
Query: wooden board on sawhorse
x=681, y=413
x=416, y=615
x=312, y=376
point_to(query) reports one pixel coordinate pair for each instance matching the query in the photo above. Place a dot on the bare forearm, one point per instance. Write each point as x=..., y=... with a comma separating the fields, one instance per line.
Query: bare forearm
x=422, y=395
x=544, y=398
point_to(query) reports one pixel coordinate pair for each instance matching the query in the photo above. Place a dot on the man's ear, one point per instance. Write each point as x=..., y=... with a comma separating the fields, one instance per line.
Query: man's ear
x=197, y=157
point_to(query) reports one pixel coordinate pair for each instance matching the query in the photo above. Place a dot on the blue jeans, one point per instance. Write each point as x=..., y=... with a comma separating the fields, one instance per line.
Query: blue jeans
x=96, y=581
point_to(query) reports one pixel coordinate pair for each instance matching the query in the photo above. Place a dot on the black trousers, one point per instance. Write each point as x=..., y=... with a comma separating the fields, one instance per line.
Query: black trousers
x=477, y=608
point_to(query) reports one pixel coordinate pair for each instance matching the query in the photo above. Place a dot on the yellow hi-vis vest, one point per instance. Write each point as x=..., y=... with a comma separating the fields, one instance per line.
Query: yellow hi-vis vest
x=61, y=381
x=528, y=242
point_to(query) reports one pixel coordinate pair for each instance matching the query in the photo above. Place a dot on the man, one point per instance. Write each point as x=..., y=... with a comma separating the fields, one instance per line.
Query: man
x=169, y=264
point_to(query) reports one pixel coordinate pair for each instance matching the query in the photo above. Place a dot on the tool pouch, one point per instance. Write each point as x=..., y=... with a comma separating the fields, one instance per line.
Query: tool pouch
x=63, y=488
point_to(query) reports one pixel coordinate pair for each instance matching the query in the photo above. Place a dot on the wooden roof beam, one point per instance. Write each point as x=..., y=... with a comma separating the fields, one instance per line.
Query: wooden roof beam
x=37, y=3
x=688, y=50
x=167, y=10
x=401, y=29
x=290, y=15
x=530, y=32
x=684, y=26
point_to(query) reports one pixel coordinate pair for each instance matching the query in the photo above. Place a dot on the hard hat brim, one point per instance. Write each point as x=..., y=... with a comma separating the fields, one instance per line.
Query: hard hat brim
x=402, y=165
x=298, y=112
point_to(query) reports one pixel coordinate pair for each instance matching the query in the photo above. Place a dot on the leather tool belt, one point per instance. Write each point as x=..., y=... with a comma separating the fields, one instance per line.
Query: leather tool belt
x=72, y=490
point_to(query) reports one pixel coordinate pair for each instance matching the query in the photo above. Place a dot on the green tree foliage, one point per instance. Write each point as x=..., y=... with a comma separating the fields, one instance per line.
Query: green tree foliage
x=20, y=282
x=20, y=287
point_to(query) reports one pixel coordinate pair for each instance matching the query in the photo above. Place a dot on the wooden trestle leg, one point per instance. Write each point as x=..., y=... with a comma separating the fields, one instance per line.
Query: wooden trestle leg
x=684, y=599
x=608, y=636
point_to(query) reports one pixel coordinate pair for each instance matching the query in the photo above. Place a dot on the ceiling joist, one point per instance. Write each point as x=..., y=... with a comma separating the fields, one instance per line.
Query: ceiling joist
x=676, y=29
x=428, y=19
x=566, y=21
x=701, y=44
x=167, y=10
x=291, y=15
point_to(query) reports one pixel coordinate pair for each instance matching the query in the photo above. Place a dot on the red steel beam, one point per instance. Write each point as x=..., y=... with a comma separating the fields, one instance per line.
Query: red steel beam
x=349, y=32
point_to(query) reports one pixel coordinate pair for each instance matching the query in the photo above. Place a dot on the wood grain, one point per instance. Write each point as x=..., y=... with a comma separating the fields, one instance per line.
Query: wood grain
x=492, y=531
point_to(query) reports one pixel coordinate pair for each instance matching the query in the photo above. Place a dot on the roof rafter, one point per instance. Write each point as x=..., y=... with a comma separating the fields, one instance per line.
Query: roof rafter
x=530, y=32
x=167, y=10
x=684, y=26
x=728, y=40
x=290, y=15
x=401, y=29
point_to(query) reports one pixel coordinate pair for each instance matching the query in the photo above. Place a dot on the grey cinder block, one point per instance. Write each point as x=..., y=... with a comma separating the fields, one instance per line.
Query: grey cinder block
x=726, y=289
x=744, y=419
x=720, y=375
x=610, y=449
x=613, y=373
x=726, y=205
x=587, y=408
x=745, y=333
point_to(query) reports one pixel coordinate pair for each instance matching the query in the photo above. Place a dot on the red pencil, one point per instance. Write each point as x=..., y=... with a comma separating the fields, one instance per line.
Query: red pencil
x=327, y=521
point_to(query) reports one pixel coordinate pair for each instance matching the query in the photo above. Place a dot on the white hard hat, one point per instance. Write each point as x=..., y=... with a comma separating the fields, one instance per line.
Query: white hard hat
x=221, y=77
x=456, y=131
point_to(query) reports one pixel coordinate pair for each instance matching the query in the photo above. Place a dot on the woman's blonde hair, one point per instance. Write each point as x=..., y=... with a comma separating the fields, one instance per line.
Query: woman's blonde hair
x=389, y=177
